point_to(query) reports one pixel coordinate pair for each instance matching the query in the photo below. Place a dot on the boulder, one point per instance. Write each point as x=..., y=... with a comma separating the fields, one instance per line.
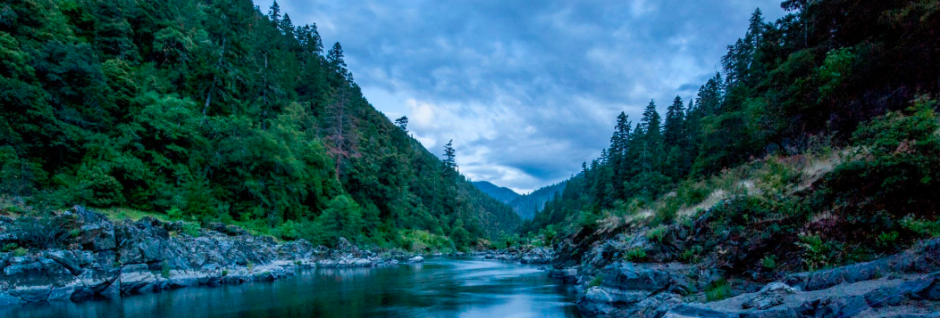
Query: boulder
x=769, y=296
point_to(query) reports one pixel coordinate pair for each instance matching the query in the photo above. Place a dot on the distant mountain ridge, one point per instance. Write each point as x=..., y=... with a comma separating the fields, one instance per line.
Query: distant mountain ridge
x=501, y=194
x=526, y=205
x=529, y=204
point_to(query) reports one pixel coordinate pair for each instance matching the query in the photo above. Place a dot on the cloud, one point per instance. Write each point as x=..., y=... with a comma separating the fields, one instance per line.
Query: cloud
x=527, y=90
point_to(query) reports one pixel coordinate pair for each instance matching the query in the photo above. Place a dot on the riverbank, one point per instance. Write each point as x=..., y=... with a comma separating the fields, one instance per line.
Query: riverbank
x=88, y=256
x=901, y=285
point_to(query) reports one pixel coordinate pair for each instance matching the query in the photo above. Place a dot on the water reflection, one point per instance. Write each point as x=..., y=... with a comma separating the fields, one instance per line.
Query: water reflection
x=437, y=288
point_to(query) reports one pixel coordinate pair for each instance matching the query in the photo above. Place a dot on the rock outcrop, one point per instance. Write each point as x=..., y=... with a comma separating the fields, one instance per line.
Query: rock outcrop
x=903, y=285
x=98, y=257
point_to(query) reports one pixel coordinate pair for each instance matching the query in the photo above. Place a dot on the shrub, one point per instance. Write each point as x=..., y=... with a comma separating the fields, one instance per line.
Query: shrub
x=887, y=240
x=921, y=227
x=175, y=213
x=817, y=254
x=656, y=234
x=769, y=262
x=287, y=230
x=667, y=214
x=718, y=290
x=19, y=251
x=165, y=269
x=635, y=254
x=191, y=229
x=596, y=281
x=691, y=255
x=9, y=247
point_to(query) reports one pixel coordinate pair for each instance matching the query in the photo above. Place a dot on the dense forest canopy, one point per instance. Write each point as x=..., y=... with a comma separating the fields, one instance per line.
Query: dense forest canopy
x=811, y=77
x=215, y=111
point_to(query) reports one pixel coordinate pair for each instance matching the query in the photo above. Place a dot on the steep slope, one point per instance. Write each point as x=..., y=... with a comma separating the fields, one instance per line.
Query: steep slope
x=502, y=194
x=528, y=205
x=213, y=111
x=817, y=80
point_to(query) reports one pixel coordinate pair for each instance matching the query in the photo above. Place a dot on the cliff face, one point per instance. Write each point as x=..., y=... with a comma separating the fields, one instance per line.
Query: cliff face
x=82, y=254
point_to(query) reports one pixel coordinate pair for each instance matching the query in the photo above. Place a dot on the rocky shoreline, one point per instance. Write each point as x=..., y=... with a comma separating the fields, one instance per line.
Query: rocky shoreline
x=101, y=258
x=902, y=285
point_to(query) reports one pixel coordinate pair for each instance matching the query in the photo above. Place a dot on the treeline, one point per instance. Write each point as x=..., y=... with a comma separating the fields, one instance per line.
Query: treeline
x=812, y=76
x=216, y=112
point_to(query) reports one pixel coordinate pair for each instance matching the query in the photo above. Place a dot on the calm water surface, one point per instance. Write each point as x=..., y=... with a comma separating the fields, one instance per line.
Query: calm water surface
x=440, y=287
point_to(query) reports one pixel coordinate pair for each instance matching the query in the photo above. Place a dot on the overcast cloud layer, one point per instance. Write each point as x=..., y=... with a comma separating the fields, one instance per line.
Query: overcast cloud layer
x=528, y=90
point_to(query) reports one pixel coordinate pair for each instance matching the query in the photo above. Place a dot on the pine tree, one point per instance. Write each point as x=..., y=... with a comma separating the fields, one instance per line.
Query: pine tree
x=450, y=160
x=274, y=13
x=674, y=127
x=402, y=123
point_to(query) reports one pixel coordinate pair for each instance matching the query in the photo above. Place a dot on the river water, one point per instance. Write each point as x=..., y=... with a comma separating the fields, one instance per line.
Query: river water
x=440, y=287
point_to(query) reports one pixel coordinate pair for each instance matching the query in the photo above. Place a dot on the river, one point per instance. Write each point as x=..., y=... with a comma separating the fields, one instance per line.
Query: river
x=440, y=287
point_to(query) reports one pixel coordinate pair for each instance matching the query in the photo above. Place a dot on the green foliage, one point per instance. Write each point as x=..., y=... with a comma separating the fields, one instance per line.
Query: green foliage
x=656, y=234
x=9, y=247
x=596, y=281
x=769, y=262
x=635, y=254
x=20, y=251
x=342, y=218
x=691, y=255
x=213, y=111
x=921, y=227
x=817, y=254
x=191, y=229
x=423, y=241
x=786, y=87
x=887, y=240
x=174, y=213
x=165, y=269
x=718, y=290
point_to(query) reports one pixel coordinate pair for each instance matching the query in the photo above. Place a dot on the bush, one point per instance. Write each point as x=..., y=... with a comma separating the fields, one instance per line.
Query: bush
x=691, y=255
x=287, y=230
x=921, y=227
x=191, y=229
x=635, y=254
x=9, y=247
x=165, y=269
x=817, y=254
x=718, y=290
x=769, y=262
x=175, y=213
x=19, y=251
x=887, y=240
x=656, y=234
x=596, y=281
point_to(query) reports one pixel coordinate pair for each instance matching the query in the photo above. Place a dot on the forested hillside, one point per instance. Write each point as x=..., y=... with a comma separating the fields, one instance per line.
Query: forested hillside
x=527, y=205
x=852, y=80
x=214, y=111
x=503, y=194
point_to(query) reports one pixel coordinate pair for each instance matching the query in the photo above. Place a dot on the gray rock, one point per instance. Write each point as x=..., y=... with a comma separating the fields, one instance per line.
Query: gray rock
x=8, y=300
x=769, y=296
x=833, y=307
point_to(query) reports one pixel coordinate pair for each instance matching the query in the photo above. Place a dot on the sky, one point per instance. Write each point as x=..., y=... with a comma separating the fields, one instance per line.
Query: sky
x=527, y=90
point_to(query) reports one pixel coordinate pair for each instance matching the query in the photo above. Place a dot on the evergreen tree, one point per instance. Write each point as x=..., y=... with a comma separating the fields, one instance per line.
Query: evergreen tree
x=402, y=123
